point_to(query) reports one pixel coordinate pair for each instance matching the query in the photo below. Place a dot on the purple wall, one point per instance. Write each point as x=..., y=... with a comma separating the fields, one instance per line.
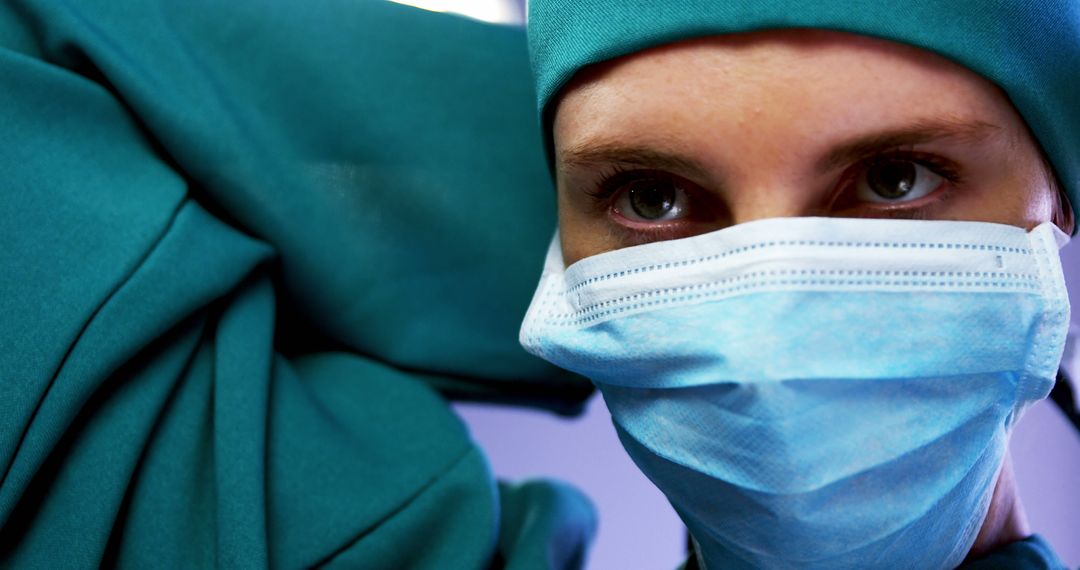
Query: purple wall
x=638, y=529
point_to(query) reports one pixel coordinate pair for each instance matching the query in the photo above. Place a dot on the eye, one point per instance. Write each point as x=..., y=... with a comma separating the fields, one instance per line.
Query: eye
x=893, y=180
x=651, y=199
x=645, y=205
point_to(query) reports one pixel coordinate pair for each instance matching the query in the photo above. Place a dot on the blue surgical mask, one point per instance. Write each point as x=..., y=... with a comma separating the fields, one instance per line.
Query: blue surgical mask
x=816, y=392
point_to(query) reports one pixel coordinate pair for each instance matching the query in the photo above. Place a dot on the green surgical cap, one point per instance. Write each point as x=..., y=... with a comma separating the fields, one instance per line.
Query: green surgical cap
x=1029, y=48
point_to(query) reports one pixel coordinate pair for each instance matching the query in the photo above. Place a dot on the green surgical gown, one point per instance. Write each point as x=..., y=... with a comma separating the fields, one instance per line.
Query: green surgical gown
x=248, y=251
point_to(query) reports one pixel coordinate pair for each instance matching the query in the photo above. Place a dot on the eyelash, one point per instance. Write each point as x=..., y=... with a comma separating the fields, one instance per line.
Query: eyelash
x=939, y=165
x=617, y=177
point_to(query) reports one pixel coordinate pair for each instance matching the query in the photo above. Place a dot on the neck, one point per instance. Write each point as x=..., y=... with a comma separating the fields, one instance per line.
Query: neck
x=1005, y=520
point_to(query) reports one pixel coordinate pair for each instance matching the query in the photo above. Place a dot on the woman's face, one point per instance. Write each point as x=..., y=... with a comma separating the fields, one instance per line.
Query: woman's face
x=700, y=135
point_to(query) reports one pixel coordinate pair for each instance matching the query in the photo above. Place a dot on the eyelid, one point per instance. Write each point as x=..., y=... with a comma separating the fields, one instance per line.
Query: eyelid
x=613, y=185
x=618, y=177
x=604, y=187
x=938, y=164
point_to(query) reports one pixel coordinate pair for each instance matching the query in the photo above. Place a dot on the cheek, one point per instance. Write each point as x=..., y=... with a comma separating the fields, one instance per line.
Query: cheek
x=1005, y=184
x=1031, y=195
x=571, y=239
x=581, y=241
x=580, y=233
x=1043, y=206
x=1020, y=199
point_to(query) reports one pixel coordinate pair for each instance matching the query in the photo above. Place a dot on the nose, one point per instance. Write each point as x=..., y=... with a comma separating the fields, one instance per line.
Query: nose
x=761, y=201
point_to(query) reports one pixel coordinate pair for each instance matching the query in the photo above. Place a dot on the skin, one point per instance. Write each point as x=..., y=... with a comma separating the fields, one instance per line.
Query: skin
x=741, y=127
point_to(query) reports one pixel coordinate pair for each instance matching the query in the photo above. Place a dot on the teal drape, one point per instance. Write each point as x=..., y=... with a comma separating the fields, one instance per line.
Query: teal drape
x=247, y=251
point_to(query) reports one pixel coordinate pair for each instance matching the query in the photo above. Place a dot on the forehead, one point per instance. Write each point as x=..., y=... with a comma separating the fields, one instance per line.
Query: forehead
x=770, y=88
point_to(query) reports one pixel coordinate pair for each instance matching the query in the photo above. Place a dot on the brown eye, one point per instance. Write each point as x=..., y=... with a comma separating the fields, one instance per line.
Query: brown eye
x=651, y=200
x=893, y=180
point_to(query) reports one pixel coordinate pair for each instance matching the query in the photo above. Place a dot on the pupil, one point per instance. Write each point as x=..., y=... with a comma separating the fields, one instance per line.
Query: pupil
x=653, y=201
x=891, y=180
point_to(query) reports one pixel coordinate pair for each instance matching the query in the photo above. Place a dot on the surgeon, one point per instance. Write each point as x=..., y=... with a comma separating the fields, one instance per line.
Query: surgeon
x=808, y=252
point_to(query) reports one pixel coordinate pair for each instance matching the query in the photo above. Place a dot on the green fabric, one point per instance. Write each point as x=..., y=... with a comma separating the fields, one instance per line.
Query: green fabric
x=248, y=248
x=1030, y=48
x=534, y=530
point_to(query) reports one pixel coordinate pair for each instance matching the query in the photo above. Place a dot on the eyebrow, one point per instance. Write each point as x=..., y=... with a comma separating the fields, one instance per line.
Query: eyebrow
x=610, y=151
x=917, y=132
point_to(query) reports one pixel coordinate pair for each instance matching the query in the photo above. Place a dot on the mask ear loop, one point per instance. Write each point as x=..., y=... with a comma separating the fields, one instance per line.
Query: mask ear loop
x=1065, y=393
